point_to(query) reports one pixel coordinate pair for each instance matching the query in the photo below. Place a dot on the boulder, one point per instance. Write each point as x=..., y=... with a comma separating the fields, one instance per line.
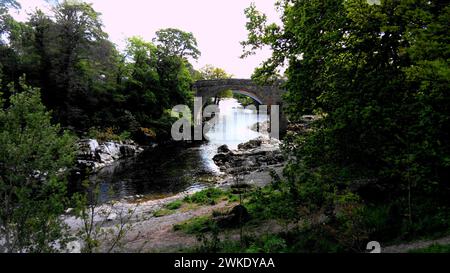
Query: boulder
x=251, y=156
x=111, y=217
x=127, y=150
x=237, y=216
x=108, y=152
x=221, y=159
x=86, y=149
x=252, y=144
x=94, y=156
x=223, y=149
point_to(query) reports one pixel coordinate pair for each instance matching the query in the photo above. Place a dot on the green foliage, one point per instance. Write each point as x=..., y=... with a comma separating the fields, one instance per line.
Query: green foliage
x=268, y=244
x=168, y=209
x=270, y=203
x=209, y=196
x=378, y=77
x=109, y=134
x=96, y=231
x=35, y=157
x=210, y=72
x=83, y=78
x=195, y=225
x=163, y=212
x=174, y=205
x=244, y=100
x=436, y=248
x=225, y=94
x=175, y=42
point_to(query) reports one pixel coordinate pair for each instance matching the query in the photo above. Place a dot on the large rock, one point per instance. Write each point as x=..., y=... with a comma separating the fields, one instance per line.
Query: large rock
x=86, y=149
x=237, y=216
x=94, y=156
x=127, y=150
x=108, y=152
x=250, y=156
x=223, y=149
x=222, y=158
x=254, y=143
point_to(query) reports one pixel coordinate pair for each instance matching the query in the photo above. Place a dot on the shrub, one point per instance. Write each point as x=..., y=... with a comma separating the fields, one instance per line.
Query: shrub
x=34, y=158
x=195, y=225
x=162, y=212
x=174, y=205
x=435, y=248
x=206, y=197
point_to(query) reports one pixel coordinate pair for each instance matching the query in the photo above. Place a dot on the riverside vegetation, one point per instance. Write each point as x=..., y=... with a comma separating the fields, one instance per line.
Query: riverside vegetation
x=373, y=163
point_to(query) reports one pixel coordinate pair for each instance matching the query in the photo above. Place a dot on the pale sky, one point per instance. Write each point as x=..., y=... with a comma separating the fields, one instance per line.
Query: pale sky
x=218, y=25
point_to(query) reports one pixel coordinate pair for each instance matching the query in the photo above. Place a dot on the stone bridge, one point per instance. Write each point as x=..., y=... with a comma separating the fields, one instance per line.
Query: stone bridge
x=263, y=94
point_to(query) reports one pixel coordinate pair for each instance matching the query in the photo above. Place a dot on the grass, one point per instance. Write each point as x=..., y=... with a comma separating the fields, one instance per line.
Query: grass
x=163, y=212
x=435, y=248
x=195, y=225
x=210, y=196
x=168, y=209
x=205, y=197
x=174, y=205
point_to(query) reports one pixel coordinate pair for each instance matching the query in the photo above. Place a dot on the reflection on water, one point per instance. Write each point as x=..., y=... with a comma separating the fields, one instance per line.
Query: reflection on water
x=166, y=170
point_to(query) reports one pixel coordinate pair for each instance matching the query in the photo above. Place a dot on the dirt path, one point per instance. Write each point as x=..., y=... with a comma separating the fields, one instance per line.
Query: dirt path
x=406, y=247
x=156, y=234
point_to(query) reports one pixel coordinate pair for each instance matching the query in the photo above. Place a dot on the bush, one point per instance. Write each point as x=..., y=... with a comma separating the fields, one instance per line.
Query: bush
x=206, y=197
x=174, y=205
x=436, y=248
x=35, y=157
x=195, y=225
x=162, y=212
x=108, y=134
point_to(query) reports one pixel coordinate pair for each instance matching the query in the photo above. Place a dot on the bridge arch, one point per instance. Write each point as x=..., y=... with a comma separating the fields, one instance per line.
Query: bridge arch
x=264, y=94
x=254, y=96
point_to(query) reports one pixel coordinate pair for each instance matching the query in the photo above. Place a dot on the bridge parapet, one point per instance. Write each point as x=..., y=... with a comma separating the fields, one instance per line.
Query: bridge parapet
x=265, y=94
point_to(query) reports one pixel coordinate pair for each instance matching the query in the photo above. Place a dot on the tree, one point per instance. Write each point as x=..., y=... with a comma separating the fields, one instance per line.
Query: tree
x=375, y=74
x=303, y=43
x=154, y=82
x=143, y=79
x=78, y=35
x=69, y=57
x=10, y=32
x=5, y=5
x=210, y=72
x=175, y=42
x=34, y=160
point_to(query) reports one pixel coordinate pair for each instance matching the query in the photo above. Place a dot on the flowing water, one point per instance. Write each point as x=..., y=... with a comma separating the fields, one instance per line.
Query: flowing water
x=167, y=170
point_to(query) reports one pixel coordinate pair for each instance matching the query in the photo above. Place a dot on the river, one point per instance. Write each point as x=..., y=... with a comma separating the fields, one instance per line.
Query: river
x=170, y=169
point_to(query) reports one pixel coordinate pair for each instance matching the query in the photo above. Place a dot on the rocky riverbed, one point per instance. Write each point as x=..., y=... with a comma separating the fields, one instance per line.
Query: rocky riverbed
x=94, y=156
x=255, y=162
x=256, y=154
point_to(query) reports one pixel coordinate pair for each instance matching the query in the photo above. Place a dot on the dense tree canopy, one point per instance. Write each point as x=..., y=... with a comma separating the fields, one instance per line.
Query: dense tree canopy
x=34, y=160
x=210, y=72
x=175, y=42
x=85, y=80
x=373, y=163
x=90, y=88
x=377, y=77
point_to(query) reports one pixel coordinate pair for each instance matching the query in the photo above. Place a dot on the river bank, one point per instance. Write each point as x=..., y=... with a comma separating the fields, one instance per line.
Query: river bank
x=258, y=161
x=93, y=155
